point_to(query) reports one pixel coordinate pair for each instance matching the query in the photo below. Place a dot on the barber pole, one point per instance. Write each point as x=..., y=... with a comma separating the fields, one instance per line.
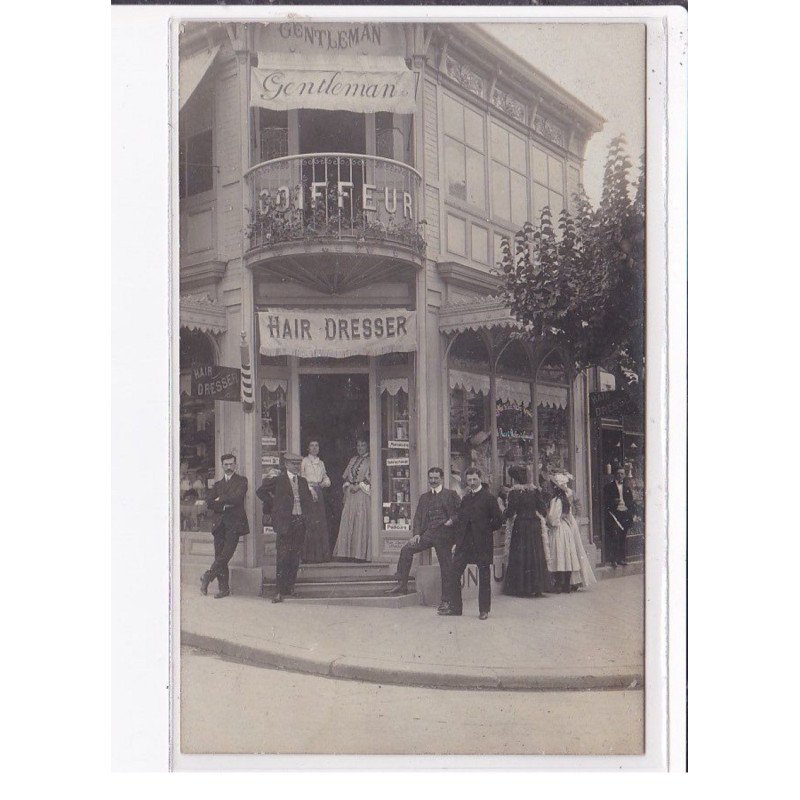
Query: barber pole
x=247, y=374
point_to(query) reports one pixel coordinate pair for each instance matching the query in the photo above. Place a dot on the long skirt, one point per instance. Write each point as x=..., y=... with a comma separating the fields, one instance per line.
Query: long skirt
x=526, y=574
x=563, y=552
x=316, y=548
x=354, y=531
x=585, y=575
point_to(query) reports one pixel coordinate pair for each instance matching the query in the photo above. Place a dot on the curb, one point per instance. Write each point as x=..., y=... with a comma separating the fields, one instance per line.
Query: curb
x=433, y=676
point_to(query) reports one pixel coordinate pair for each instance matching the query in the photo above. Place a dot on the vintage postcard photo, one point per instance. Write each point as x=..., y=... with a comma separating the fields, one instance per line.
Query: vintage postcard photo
x=412, y=384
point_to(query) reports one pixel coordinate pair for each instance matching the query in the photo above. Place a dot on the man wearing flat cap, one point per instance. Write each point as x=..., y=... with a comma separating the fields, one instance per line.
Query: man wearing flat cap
x=290, y=501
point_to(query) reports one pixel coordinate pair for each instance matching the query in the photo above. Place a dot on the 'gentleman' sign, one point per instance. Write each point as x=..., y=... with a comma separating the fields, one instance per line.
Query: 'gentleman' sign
x=314, y=334
x=217, y=383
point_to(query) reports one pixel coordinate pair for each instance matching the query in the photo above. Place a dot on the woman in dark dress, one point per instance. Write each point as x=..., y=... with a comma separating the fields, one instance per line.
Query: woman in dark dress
x=526, y=575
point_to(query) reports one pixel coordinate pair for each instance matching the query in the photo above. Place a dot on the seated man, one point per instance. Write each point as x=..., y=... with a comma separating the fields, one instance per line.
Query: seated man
x=431, y=528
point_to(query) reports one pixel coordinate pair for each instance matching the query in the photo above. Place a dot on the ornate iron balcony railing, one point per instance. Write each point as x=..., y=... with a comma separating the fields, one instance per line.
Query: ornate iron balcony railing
x=340, y=196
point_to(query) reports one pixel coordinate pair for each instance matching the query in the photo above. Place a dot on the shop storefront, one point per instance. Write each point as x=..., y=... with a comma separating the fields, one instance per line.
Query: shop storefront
x=346, y=375
x=360, y=179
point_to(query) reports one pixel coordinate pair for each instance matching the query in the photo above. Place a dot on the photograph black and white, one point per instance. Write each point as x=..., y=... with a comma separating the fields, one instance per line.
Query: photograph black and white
x=410, y=387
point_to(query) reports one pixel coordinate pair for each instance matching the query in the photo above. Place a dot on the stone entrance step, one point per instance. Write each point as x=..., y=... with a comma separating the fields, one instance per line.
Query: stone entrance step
x=347, y=587
x=343, y=570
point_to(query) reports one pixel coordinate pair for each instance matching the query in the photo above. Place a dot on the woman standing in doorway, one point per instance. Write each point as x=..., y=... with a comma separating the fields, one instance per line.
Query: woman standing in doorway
x=354, y=540
x=316, y=547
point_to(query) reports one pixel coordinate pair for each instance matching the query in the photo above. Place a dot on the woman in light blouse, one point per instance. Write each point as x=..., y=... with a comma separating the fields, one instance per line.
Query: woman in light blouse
x=316, y=547
x=354, y=540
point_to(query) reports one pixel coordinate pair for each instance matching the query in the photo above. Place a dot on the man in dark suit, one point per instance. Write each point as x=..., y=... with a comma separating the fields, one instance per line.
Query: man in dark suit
x=477, y=519
x=227, y=502
x=431, y=528
x=618, y=501
x=290, y=500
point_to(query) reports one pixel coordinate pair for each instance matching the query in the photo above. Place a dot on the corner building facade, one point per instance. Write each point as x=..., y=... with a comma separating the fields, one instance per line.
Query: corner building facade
x=344, y=192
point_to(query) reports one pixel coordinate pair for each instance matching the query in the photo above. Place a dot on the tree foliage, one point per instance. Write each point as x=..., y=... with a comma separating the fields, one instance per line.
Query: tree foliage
x=584, y=288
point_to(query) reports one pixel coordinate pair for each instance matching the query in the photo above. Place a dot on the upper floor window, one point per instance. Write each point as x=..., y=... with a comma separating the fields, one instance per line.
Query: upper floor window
x=509, y=176
x=273, y=134
x=547, y=184
x=465, y=153
x=196, y=164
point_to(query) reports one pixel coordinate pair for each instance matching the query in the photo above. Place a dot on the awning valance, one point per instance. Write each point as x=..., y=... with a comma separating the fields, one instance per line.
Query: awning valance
x=553, y=396
x=507, y=391
x=191, y=71
x=200, y=313
x=365, y=84
x=275, y=385
x=469, y=381
x=474, y=314
x=392, y=385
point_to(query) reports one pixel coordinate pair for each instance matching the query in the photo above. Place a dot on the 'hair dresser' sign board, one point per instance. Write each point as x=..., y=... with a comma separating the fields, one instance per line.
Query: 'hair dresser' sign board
x=315, y=334
x=347, y=67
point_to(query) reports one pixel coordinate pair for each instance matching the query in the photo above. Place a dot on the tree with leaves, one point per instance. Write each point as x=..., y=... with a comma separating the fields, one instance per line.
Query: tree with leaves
x=584, y=288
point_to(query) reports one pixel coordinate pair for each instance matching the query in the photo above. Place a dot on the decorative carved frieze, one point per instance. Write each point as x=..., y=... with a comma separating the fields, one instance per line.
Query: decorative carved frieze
x=550, y=130
x=508, y=104
x=464, y=75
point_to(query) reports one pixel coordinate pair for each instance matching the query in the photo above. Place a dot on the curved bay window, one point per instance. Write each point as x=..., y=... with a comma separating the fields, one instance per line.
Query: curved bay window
x=514, y=411
x=470, y=425
x=552, y=413
x=197, y=429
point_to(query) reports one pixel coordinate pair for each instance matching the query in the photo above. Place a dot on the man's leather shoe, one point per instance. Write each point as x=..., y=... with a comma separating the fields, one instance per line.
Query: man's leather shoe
x=448, y=612
x=399, y=589
x=278, y=598
x=443, y=606
x=483, y=615
x=219, y=595
x=205, y=579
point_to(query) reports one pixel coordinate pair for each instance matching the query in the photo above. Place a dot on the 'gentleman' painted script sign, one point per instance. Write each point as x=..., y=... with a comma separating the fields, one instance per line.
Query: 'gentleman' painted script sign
x=389, y=86
x=313, y=334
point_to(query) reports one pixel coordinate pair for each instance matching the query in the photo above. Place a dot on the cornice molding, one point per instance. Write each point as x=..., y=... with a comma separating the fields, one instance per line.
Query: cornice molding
x=454, y=273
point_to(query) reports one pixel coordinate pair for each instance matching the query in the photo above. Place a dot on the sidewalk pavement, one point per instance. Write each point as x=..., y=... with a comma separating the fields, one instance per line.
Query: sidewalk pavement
x=586, y=640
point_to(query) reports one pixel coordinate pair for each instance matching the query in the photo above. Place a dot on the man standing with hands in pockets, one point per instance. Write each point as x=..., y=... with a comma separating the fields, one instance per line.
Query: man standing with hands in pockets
x=291, y=501
x=478, y=517
x=432, y=528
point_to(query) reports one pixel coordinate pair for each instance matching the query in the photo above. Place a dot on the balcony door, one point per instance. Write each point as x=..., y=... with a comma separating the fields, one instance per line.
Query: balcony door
x=332, y=131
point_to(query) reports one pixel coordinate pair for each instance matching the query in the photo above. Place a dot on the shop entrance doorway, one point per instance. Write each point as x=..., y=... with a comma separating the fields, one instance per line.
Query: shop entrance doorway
x=334, y=410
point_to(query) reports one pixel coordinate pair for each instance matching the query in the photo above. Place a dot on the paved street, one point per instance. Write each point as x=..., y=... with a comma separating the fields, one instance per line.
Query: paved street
x=589, y=639
x=235, y=708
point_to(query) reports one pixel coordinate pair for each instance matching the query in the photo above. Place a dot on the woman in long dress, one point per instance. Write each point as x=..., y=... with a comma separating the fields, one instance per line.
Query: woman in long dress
x=316, y=547
x=567, y=553
x=355, y=539
x=526, y=574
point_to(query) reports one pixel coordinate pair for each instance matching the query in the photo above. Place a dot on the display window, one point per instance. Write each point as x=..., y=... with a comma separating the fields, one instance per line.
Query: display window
x=552, y=413
x=197, y=435
x=515, y=427
x=273, y=426
x=395, y=454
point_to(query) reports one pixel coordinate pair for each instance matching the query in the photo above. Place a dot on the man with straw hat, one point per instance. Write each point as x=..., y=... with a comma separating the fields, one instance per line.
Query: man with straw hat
x=291, y=501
